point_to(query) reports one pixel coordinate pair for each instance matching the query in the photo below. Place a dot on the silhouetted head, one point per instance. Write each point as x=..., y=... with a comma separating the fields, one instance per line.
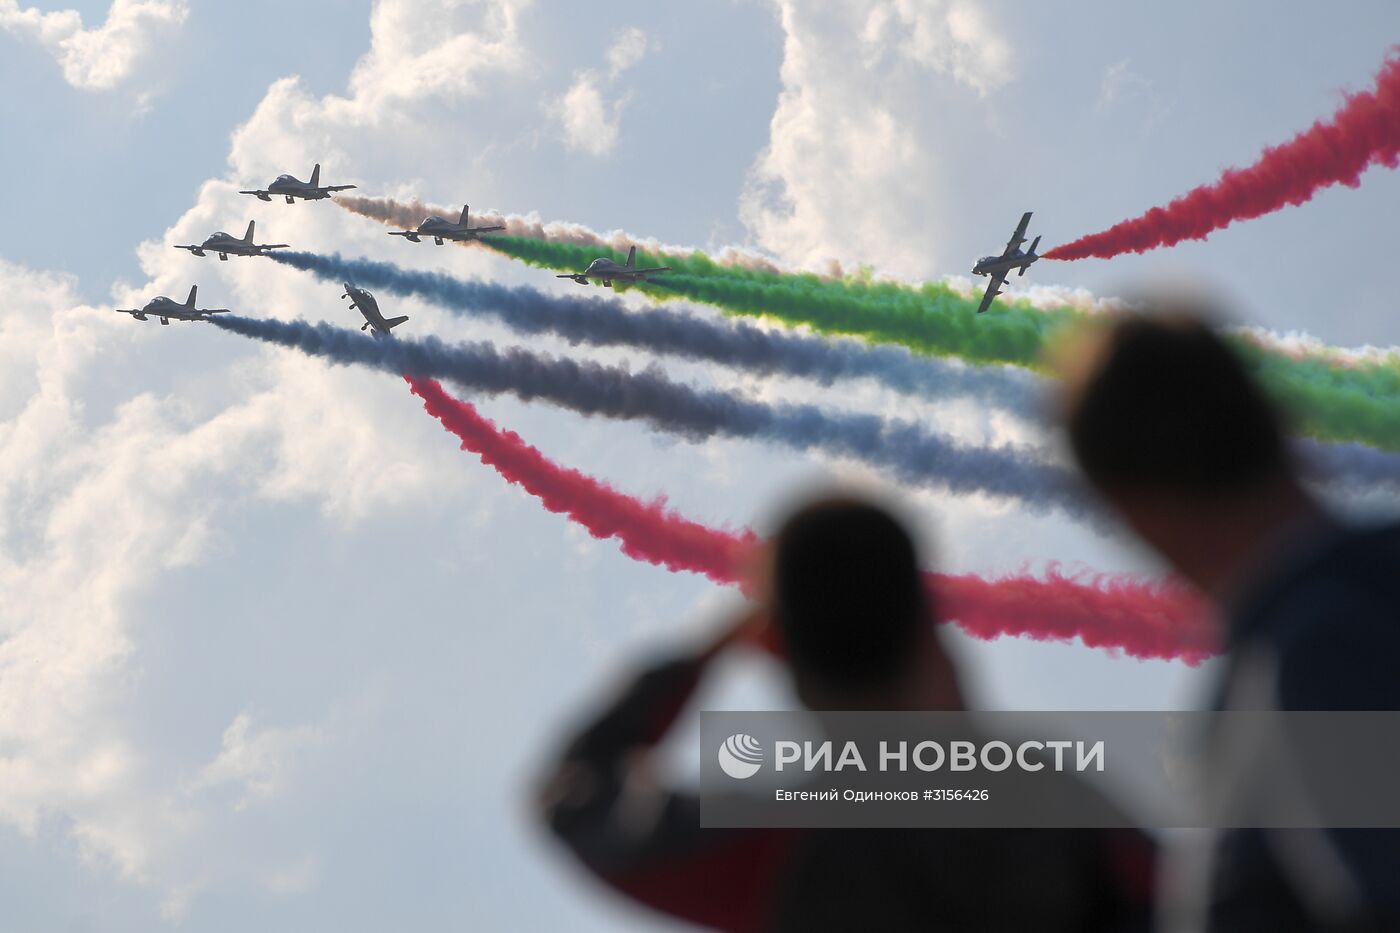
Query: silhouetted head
x=850, y=603
x=1167, y=423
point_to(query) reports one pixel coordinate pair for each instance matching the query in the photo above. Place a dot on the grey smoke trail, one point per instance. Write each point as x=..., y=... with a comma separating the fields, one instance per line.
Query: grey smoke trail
x=681, y=331
x=409, y=214
x=906, y=450
x=1349, y=467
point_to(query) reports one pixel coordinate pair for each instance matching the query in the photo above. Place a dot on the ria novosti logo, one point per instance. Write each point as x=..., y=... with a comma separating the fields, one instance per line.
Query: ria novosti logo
x=740, y=756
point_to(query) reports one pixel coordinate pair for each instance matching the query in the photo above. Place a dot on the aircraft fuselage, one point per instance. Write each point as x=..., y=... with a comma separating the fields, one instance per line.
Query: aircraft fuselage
x=368, y=307
x=609, y=272
x=993, y=265
x=226, y=245
x=291, y=190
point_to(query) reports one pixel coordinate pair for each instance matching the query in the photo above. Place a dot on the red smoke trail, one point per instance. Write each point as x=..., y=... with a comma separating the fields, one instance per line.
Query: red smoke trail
x=648, y=531
x=1364, y=132
x=1118, y=613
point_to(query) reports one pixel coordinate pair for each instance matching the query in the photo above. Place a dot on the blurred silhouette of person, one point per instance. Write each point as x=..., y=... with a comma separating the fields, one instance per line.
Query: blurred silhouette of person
x=1169, y=427
x=849, y=608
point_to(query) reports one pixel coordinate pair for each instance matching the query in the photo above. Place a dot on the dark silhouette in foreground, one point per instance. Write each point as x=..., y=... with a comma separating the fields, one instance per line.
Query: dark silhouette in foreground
x=847, y=608
x=1167, y=424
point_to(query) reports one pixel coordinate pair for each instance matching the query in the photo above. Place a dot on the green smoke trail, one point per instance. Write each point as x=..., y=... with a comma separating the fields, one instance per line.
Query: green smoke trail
x=1325, y=398
x=1331, y=401
x=931, y=318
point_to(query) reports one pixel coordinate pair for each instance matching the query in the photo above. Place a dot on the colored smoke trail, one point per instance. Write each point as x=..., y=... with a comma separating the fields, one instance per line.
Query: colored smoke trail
x=1364, y=132
x=648, y=531
x=681, y=331
x=678, y=331
x=904, y=449
x=1327, y=397
x=1116, y=613
x=933, y=319
x=408, y=215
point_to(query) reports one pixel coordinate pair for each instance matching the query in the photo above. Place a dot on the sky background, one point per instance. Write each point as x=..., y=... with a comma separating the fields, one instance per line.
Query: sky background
x=274, y=653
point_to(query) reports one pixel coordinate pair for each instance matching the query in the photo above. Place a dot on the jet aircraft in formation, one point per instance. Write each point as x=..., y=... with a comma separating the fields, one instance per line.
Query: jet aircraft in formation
x=226, y=244
x=440, y=228
x=364, y=302
x=291, y=188
x=168, y=309
x=999, y=267
x=603, y=270
x=608, y=271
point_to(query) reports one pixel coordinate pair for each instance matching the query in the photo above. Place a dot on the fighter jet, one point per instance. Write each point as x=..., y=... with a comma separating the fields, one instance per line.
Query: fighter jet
x=168, y=309
x=610, y=272
x=226, y=244
x=440, y=229
x=364, y=301
x=999, y=267
x=291, y=189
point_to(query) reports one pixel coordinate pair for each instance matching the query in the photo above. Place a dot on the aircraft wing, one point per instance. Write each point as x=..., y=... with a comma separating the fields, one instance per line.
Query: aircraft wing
x=487, y=229
x=262, y=194
x=275, y=246
x=337, y=187
x=197, y=250
x=649, y=271
x=407, y=233
x=1019, y=236
x=993, y=289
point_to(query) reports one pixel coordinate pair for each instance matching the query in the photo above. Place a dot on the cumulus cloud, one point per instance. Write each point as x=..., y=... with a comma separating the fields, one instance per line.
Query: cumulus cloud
x=104, y=491
x=848, y=167
x=590, y=121
x=95, y=508
x=99, y=58
x=422, y=53
x=426, y=50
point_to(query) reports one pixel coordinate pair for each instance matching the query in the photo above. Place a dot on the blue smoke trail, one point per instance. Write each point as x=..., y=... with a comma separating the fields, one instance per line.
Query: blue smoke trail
x=679, y=331
x=909, y=452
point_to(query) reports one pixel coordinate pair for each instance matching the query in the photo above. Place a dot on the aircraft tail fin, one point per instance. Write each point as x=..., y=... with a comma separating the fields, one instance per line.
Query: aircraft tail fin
x=632, y=257
x=1031, y=254
x=395, y=321
x=463, y=221
x=189, y=302
x=248, y=237
x=316, y=176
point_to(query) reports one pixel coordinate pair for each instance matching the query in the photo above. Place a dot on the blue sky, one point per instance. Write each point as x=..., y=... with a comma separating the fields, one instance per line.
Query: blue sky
x=275, y=654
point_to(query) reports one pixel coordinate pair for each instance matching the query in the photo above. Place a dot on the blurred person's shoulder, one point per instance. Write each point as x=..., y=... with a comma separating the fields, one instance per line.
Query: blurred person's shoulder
x=1328, y=624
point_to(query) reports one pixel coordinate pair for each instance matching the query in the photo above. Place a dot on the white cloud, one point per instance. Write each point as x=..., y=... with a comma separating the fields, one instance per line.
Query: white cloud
x=102, y=493
x=253, y=759
x=422, y=52
x=100, y=58
x=95, y=509
x=629, y=48
x=849, y=168
x=590, y=122
x=949, y=38
x=1117, y=81
x=1122, y=89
